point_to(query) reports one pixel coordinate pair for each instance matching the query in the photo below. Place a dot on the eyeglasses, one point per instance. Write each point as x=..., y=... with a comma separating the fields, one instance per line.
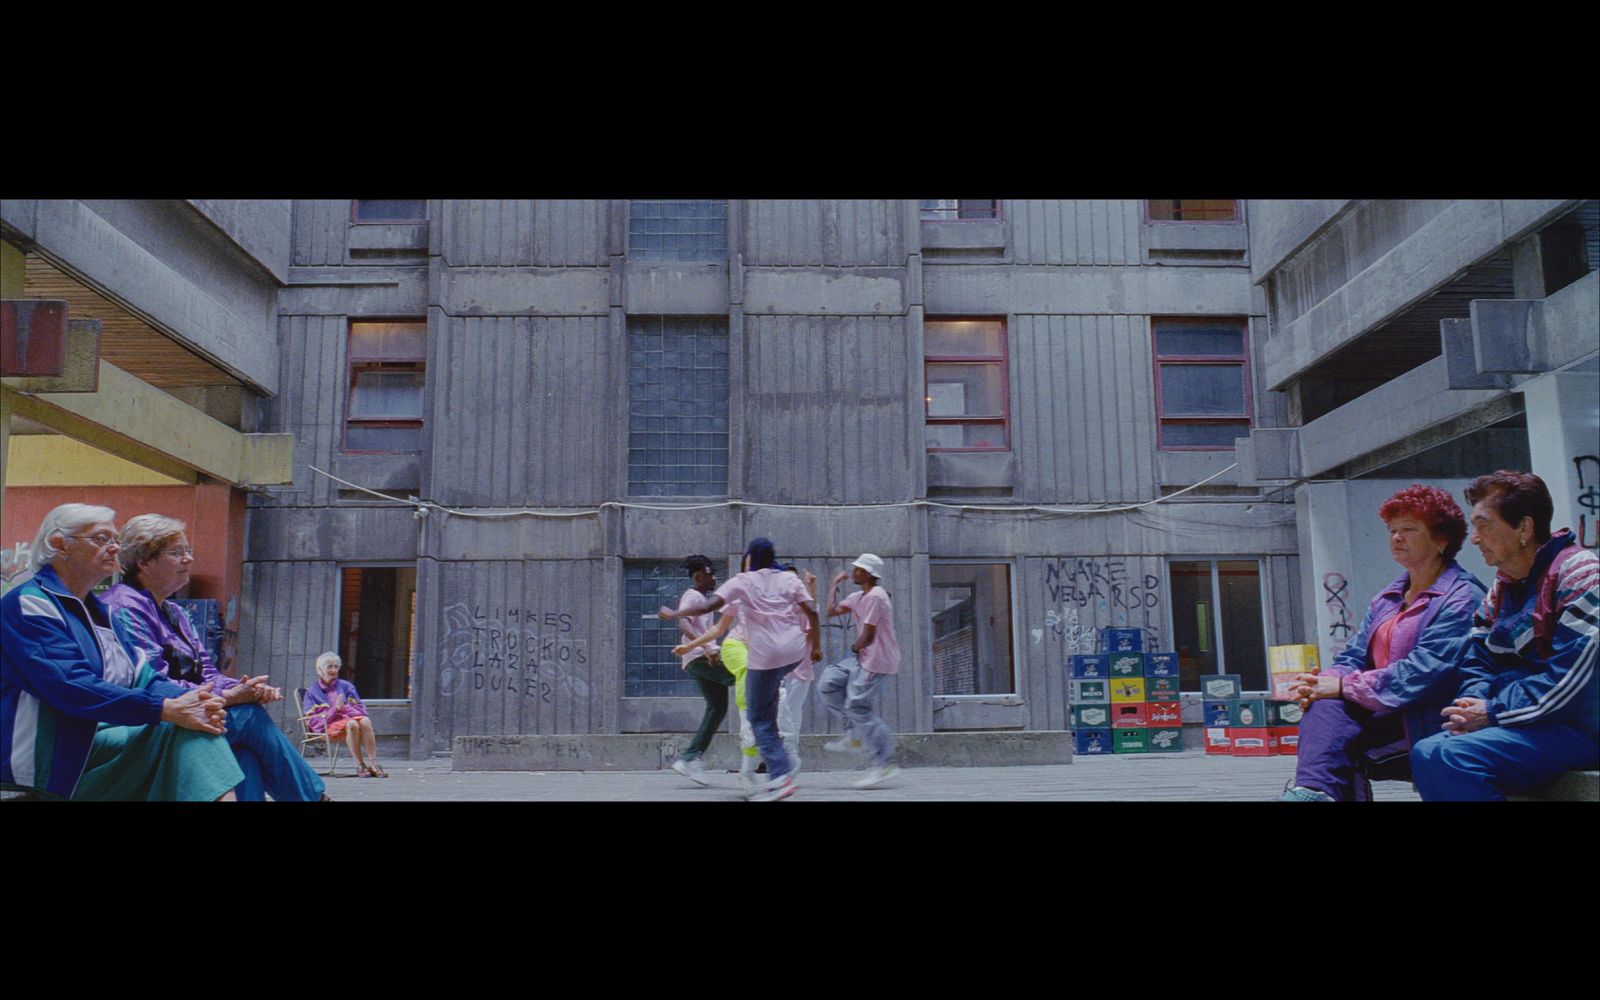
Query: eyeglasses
x=100, y=541
x=180, y=552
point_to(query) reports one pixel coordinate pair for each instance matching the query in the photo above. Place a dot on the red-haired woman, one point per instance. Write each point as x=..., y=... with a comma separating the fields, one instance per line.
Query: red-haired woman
x=1384, y=690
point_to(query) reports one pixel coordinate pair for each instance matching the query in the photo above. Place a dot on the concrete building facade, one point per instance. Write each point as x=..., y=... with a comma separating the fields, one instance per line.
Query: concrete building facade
x=509, y=420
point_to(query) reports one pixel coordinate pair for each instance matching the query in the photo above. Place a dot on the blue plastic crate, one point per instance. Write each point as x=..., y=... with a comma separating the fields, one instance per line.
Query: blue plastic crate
x=1093, y=741
x=1121, y=640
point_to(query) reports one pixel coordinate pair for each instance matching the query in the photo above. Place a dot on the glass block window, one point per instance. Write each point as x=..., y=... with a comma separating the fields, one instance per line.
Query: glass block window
x=390, y=210
x=678, y=230
x=959, y=209
x=677, y=407
x=1192, y=210
x=388, y=373
x=651, y=671
x=1202, y=383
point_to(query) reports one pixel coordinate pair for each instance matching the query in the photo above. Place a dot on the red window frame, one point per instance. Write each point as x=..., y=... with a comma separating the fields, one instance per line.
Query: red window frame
x=355, y=365
x=1236, y=220
x=1001, y=361
x=922, y=213
x=1247, y=417
x=355, y=213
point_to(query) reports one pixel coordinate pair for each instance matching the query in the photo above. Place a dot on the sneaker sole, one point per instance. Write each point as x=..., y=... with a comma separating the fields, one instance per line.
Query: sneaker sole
x=782, y=793
x=698, y=779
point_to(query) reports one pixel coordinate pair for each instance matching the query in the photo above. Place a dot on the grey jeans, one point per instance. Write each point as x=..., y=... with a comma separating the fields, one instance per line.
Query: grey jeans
x=850, y=692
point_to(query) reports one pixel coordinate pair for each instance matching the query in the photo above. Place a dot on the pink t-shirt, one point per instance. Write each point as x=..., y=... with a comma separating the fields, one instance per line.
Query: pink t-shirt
x=698, y=625
x=767, y=600
x=871, y=607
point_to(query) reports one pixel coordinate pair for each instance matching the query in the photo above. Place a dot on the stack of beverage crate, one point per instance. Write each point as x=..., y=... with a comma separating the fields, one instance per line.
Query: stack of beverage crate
x=1283, y=712
x=1125, y=700
x=1248, y=727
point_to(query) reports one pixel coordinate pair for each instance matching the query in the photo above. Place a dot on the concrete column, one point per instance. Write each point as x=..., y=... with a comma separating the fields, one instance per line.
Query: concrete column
x=1563, y=410
x=1323, y=511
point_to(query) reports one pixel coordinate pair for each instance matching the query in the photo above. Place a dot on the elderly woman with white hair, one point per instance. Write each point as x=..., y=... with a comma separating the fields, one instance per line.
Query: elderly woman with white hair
x=156, y=561
x=82, y=715
x=335, y=708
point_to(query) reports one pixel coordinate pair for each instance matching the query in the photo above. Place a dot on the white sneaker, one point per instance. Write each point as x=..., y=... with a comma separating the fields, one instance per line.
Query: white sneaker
x=772, y=791
x=844, y=744
x=876, y=776
x=694, y=770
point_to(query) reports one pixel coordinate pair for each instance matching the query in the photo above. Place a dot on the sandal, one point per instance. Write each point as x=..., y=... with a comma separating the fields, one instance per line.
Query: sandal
x=378, y=771
x=366, y=772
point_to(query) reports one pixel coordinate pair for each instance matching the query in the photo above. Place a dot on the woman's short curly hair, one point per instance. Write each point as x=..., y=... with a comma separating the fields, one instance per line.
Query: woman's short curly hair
x=143, y=538
x=1516, y=495
x=1434, y=508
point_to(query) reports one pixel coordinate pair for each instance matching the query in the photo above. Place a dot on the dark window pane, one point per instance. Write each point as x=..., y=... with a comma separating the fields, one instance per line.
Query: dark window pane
x=391, y=210
x=1202, y=390
x=388, y=341
x=1194, y=210
x=946, y=209
x=963, y=338
x=386, y=394
x=966, y=390
x=1243, y=633
x=364, y=437
x=971, y=623
x=1218, y=435
x=1193, y=623
x=1199, y=339
x=377, y=626
x=989, y=435
x=1195, y=616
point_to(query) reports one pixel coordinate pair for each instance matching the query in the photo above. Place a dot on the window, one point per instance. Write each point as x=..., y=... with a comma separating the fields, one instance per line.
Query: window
x=1202, y=383
x=377, y=626
x=1217, y=626
x=387, y=373
x=959, y=209
x=677, y=407
x=678, y=230
x=389, y=210
x=972, y=628
x=1192, y=210
x=651, y=671
x=968, y=395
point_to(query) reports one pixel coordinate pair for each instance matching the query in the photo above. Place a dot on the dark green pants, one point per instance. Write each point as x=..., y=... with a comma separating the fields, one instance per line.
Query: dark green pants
x=714, y=681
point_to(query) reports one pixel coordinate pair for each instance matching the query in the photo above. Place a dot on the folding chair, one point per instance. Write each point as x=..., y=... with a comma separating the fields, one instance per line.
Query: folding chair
x=308, y=738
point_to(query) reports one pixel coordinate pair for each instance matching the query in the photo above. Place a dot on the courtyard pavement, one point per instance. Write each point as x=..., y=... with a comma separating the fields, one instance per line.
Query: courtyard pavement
x=1187, y=777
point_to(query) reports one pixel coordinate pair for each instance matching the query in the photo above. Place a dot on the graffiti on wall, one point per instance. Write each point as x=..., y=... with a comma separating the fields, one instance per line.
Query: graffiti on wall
x=14, y=565
x=1336, y=598
x=512, y=651
x=1105, y=589
x=1588, y=500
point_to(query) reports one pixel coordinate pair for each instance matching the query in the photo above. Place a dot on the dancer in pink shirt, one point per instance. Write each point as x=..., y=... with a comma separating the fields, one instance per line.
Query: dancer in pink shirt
x=849, y=689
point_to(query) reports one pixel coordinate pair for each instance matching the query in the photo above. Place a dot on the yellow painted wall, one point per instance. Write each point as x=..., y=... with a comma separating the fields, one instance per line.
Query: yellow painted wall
x=54, y=460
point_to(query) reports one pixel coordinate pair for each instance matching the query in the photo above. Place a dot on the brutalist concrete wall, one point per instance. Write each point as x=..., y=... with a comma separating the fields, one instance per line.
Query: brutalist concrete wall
x=528, y=305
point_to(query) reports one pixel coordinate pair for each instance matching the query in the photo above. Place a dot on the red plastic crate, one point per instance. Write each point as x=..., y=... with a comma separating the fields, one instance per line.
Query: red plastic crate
x=1251, y=742
x=1164, y=714
x=1285, y=740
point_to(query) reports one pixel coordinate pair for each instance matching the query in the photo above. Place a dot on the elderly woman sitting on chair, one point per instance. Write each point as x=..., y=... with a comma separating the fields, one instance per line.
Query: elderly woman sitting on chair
x=335, y=708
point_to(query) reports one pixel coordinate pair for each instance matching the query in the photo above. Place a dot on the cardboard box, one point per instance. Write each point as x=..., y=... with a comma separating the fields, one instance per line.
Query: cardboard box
x=1093, y=741
x=1218, y=713
x=1292, y=659
x=1131, y=741
x=1285, y=740
x=1087, y=692
x=1251, y=741
x=1121, y=640
x=1248, y=713
x=1218, y=741
x=1089, y=667
x=1284, y=713
x=1161, y=665
x=1164, y=714
x=1091, y=716
x=1221, y=687
x=1166, y=741
x=1129, y=716
x=1160, y=688
x=1126, y=664
x=1126, y=689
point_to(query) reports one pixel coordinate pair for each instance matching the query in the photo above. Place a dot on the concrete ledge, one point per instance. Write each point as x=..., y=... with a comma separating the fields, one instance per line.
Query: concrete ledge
x=650, y=752
x=1574, y=786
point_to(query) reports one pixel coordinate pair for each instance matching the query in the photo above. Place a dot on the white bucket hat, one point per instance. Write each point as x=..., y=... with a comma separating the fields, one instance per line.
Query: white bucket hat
x=872, y=564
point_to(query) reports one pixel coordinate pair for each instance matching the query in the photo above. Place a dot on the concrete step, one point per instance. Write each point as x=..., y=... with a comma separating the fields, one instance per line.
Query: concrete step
x=654, y=751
